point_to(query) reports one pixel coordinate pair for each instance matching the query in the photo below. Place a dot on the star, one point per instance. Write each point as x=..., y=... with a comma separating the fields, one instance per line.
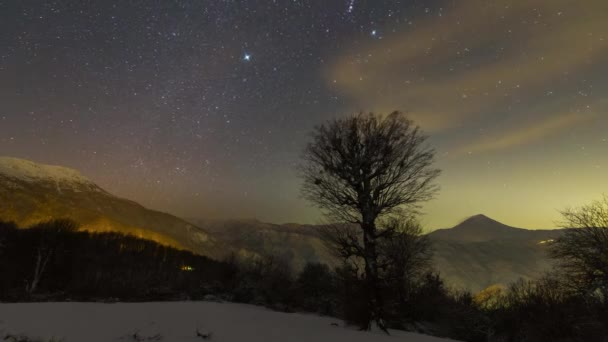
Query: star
x=351, y=6
x=176, y=86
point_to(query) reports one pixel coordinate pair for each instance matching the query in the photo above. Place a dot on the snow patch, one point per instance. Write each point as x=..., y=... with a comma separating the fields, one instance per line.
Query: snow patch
x=29, y=171
x=180, y=321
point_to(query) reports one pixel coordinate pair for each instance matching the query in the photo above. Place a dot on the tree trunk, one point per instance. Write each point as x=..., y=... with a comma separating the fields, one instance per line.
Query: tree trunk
x=372, y=279
x=41, y=262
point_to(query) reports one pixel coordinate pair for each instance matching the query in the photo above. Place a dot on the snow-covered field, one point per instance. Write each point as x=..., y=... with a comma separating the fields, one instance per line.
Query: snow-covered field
x=178, y=321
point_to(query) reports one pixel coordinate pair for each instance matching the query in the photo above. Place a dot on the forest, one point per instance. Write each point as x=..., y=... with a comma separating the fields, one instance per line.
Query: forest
x=54, y=261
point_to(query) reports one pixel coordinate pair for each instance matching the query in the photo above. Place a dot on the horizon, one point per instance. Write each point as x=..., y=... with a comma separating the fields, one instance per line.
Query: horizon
x=205, y=110
x=236, y=218
x=327, y=170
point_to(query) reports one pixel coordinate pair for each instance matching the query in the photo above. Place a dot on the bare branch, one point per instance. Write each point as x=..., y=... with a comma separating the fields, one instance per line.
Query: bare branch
x=582, y=251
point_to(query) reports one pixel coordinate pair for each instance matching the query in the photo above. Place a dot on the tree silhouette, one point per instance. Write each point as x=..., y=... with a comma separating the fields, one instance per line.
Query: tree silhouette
x=404, y=258
x=50, y=238
x=582, y=252
x=364, y=169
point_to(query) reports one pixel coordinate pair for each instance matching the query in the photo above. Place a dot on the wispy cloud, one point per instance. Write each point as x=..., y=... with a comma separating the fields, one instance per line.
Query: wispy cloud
x=478, y=59
x=524, y=135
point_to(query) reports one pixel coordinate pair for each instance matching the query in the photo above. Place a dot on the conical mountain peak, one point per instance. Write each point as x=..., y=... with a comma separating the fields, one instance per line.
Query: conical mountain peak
x=478, y=228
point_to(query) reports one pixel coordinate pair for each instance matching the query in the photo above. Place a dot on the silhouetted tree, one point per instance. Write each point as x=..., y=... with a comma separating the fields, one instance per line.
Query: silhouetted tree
x=544, y=310
x=364, y=169
x=582, y=252
x=266, y=280
x=315, y=289
x=49, y=237
x=404, y=258
x=352, y=301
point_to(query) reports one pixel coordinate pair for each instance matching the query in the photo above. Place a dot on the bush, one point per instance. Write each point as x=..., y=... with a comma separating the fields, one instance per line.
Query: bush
x=315, y=289
x=352, y=296
x=544, y=310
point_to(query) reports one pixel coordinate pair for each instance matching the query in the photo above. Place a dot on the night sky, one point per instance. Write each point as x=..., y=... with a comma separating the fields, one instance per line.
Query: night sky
x=202, y=108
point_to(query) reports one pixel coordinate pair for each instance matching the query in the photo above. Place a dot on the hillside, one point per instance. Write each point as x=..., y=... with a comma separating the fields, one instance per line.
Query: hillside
x=31, y=193
x=474, y=254
x=480, y=252
x=480, y=228
x=296, y=244
x=477, y=265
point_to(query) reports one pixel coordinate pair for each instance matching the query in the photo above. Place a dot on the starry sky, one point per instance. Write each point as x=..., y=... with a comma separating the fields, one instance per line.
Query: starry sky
x=202, y=108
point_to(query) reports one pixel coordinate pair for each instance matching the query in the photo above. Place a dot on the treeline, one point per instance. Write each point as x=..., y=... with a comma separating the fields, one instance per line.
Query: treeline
x=547, y=309
x=54, y=261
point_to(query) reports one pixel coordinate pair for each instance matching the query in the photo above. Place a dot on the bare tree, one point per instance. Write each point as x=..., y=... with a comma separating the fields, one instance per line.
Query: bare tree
x=404, y=257
x=345, y=243
x=46, y=246
x=582, y=252
x=364, y=169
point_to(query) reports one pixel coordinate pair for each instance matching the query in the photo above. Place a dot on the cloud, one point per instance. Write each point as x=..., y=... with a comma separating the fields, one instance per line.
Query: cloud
x=520, y=136
x=478, y=59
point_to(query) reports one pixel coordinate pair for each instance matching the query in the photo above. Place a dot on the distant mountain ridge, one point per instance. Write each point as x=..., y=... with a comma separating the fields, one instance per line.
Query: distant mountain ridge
x=474, y=254
x=480, y=252
x=477, y=253
x=32, y=193
x=479, y=228
x=295, y=243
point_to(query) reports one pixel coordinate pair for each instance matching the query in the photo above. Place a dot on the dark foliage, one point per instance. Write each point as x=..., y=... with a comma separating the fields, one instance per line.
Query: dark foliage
x=582, y=251
x=55, y=261
x=432, y=308
x=67, y=264
x=352, y=296
x=101, y=267
x=545, y=310
x=403, y=258
x=316, y=289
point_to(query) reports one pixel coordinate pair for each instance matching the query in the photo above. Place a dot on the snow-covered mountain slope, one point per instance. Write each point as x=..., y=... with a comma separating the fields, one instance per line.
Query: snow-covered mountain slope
x=26, y=170
x=32, y=193
x=179, y=322
x=15, y=172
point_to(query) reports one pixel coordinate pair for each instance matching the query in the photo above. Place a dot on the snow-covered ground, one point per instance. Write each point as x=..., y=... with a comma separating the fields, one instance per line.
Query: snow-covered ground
x=178, y=321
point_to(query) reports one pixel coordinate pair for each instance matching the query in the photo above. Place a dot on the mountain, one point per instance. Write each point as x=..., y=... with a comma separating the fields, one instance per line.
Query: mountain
x=297, y=244
x=31, y=193
x=480, y=252
x=481, y=228
x=475, y=254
